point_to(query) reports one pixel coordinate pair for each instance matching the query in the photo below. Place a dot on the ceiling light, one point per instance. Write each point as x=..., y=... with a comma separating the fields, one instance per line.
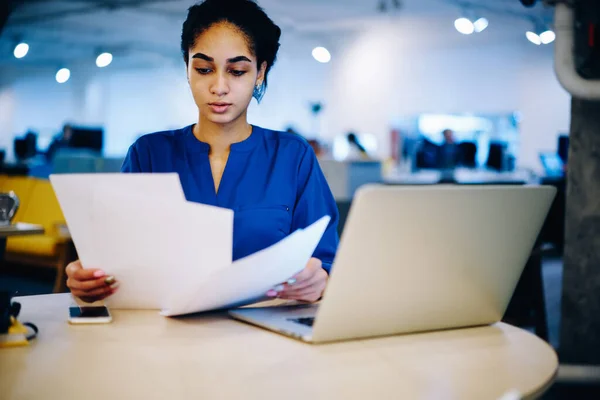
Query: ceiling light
x=547, y=37
x=21, y=50
x=63, y=75
x=321, y=54
x=464, y=26
x=481, y=24
x=533, y=37
x=104, y=60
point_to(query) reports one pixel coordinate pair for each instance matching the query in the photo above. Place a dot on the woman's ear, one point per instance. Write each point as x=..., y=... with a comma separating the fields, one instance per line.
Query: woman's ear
x=261, y=74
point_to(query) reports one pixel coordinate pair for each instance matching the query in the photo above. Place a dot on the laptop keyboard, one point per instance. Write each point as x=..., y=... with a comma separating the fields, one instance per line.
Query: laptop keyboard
x=308, y=321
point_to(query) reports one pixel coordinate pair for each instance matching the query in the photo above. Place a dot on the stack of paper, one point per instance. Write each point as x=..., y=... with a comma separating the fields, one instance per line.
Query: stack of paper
x=168, y=253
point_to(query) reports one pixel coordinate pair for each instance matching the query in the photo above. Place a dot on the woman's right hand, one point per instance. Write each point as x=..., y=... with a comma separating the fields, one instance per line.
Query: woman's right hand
x=89, y=285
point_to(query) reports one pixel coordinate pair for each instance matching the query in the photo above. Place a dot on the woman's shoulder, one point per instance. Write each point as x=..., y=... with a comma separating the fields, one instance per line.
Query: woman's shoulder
x=285, y=139
x=160, y=138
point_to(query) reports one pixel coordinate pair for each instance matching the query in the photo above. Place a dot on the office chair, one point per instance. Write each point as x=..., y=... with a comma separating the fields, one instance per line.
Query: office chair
x=467, y=154
x=496, y=156
x=428, y=155
x=527, y=306
x=25, y=147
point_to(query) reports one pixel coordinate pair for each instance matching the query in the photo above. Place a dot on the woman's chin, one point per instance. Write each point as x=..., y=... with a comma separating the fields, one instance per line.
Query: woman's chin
x=221, y=119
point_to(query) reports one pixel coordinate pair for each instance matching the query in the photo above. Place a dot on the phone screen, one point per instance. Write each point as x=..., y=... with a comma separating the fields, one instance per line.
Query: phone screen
x=89, y=312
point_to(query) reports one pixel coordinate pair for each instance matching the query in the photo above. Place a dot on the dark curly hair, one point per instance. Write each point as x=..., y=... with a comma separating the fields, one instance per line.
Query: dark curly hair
x=262, y=35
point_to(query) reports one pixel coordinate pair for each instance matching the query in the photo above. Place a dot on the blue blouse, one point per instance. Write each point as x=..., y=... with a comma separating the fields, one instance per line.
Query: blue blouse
x=272, y=181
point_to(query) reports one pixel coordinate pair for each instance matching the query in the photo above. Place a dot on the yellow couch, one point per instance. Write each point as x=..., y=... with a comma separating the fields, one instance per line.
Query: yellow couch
x=38, y=205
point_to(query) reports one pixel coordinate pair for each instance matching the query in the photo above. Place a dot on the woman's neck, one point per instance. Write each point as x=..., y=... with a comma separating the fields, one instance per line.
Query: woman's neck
x=220, y=137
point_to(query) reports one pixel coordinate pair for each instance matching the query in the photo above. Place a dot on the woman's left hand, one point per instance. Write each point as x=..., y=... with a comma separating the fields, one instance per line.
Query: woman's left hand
x=308, y=285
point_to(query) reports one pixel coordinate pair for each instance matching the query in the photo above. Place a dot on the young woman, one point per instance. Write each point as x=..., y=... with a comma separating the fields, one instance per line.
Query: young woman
x=271, y=180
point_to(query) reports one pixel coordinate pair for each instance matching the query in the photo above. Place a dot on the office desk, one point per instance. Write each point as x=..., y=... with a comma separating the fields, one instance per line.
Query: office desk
x=144, y=355
x=18, y=229
x=459, y=176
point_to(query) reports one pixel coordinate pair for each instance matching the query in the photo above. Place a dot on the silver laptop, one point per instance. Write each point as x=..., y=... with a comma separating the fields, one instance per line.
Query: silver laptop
x=414, y=259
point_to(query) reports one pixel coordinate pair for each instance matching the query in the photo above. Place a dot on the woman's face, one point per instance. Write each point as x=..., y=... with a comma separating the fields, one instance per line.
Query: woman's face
x=222, y=73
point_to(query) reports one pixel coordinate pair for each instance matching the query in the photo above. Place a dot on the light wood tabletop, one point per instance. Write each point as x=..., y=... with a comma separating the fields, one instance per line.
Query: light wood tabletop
x=141, y=355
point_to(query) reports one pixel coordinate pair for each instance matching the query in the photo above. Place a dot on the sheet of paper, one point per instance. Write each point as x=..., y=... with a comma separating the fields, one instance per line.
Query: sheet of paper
x=248, y=279
x=168, y=253
x=75, y=193
x=154, y=245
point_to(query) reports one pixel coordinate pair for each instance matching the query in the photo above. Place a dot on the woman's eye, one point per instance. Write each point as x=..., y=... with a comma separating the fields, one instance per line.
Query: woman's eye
x=203, y=71
x=237, y=73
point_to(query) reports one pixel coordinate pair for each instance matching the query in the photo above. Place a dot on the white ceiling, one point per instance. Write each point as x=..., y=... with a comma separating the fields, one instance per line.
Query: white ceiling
x=148, y=31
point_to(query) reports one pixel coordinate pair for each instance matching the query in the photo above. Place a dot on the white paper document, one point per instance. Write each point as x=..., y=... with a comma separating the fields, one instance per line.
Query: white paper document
x=76, y=195
x=248, y=279
x=168, y=253
x=152, y=246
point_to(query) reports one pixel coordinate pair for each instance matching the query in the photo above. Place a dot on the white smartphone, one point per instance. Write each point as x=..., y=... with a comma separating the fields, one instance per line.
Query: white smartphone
x=89, y=315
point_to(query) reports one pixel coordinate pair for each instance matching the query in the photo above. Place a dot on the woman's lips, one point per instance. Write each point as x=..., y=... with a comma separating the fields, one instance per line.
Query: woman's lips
x=219, y=108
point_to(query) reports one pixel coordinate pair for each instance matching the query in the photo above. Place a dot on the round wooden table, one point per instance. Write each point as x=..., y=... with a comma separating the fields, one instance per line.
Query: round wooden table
x=142, y=355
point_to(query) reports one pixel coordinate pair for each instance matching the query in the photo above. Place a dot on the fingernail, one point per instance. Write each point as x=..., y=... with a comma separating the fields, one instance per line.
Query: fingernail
x=271, y=293
x=278, y=288
x=114, y=286
x=98, y=274
x=291, y=281
x=109, y=280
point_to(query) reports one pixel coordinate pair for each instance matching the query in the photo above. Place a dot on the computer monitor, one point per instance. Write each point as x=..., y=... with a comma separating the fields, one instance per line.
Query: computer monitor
x=552, y=163
x=563, y=148
x=87, y=138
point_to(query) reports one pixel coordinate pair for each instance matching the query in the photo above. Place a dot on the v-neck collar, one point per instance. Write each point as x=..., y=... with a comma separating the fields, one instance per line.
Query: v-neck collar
x=196, y=146
x=201, y=149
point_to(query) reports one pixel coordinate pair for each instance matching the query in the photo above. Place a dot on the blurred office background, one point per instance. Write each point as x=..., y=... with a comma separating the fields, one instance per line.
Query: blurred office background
x=399, y=92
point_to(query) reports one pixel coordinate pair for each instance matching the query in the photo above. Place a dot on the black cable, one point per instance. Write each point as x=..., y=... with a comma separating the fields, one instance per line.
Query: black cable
x=14, y=311
x=34, y=328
